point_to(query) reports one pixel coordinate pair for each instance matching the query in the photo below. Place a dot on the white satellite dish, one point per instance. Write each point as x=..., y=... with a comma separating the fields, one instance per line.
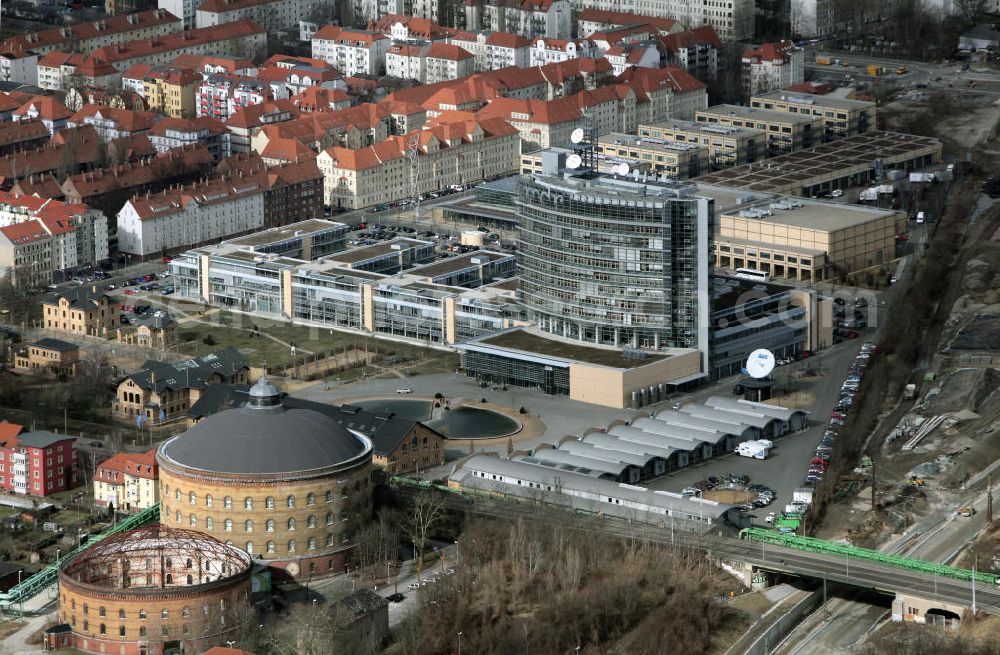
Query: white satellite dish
x=760, y=363
x=577, y=135
x=574, y=162
x=622, y=169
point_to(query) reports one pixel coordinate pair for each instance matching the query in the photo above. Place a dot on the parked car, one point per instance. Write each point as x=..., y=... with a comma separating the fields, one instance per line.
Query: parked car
x=404, y=390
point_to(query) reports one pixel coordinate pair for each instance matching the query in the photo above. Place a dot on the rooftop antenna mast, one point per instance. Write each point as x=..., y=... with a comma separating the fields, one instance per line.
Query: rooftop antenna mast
x=412, y=153
x=584, y=139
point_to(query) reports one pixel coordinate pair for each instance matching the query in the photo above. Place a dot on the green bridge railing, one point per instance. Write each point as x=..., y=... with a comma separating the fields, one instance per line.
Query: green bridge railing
x=811, y=544
x=32, y=586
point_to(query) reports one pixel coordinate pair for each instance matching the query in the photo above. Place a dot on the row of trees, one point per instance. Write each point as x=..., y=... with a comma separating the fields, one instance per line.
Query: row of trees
x=549, y=587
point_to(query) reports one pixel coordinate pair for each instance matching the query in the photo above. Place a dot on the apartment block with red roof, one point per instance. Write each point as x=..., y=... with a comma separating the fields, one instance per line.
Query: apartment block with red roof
x=494, y=50
x=355, y=127
x=243, y=38
x=60, y=71
x=455, y=149
x=352, y=52
x=216, y=64
x=55, y=67
x=637, y=55
x=406, y=116
x=10, y=102
x=35, y=463
x=548, y=123
x=189, y=216
x=272, y=14
x=597, y=20
x=122, y=7
x=504, y=50
x=288, y=75
x=772, y=67
x=664, y=93
x=548, y=51
x=46, y=109
x=129, y=482
x=732, y=19
x=179, y=132
x=444, y=62
x=26, y=254
x=86, y=36
x=245, y=122
x=20, y=66
x=400, y=27
x=108, y=189
x=169, y=90
x=220, y=95
x=111, y=123
x=22, y=135
x=71, y=235
x=695, y=50
x=69, y=151
x=527, y=18
x=405, y=61
x=318, y=99
x=293, y=191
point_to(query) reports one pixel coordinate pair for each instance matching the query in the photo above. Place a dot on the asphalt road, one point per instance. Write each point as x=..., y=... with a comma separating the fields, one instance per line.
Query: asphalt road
x=918, y=72
x=837, y=626
x=786, y=466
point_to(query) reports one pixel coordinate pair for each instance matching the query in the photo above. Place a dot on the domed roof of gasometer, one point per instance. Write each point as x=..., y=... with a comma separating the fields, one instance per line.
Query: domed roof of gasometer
x=264, y=436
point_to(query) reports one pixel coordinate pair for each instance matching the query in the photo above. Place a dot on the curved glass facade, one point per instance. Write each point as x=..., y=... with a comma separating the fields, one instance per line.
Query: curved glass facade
x=615, y=262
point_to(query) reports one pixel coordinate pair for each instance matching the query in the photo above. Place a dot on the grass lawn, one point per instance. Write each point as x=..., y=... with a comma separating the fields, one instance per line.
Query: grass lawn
x=238, y=331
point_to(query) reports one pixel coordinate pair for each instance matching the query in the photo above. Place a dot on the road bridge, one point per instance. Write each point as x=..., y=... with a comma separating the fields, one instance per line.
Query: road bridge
x=718, y=545
x=12, y=601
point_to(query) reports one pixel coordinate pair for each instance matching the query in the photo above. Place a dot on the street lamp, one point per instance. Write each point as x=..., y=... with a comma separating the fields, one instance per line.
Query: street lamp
x=460, y=643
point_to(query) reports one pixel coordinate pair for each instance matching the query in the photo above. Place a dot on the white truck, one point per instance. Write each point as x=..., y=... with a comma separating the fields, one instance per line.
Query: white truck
x=753, y=449
x=921, y=177
x=869, y=195
x=802, y=495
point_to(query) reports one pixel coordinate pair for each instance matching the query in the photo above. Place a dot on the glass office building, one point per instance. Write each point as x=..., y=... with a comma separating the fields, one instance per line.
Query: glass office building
x=616, y=262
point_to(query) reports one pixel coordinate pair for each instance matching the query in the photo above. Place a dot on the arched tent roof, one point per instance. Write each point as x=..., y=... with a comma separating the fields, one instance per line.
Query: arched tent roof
x=584, y=449
x=569, y=484
x=758, y=409
x=638, y=435
x=706, y=426
x=674, y=430
x=615, y=444
x=740, y=420
x=565, y=461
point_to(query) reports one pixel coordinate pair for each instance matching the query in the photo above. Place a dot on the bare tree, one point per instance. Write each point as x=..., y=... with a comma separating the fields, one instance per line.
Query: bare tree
x=427, y=511
x=972, y=10
x=311, y=629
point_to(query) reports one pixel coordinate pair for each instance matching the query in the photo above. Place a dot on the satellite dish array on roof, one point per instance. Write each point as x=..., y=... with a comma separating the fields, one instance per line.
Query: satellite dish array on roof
x=584, y=144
